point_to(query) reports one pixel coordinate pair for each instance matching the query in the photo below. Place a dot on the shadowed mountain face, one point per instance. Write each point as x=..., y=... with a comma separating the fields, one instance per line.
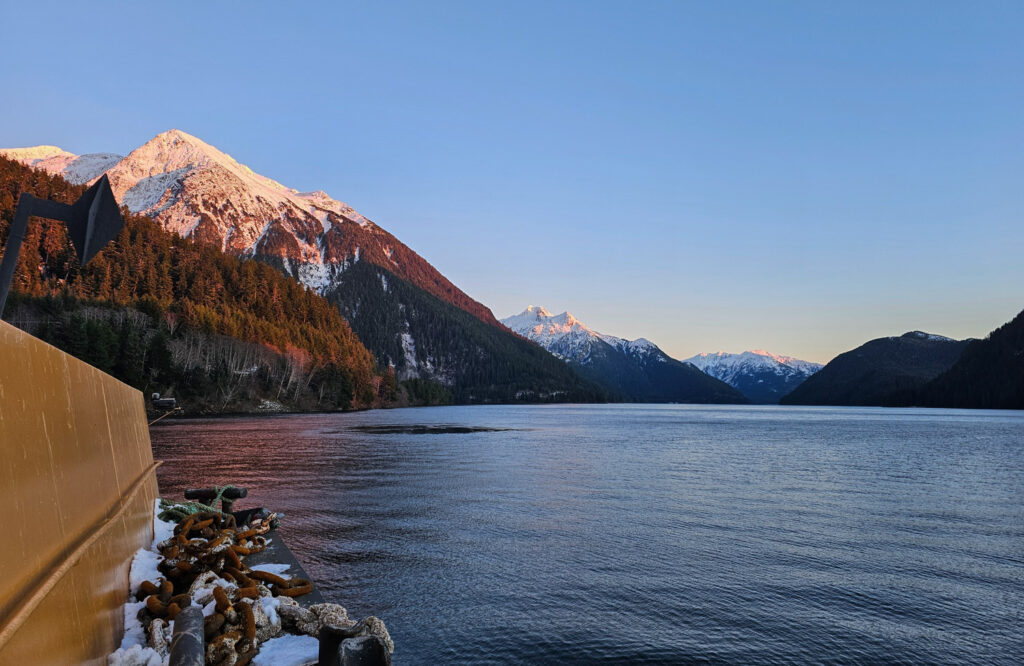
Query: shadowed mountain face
x=988, y=375
x=425, y=337
x=631, y=370
x=879, y=372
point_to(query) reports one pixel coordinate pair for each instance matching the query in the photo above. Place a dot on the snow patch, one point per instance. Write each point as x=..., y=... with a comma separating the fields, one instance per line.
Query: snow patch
x=133, y=650
x=89, y=167
x=148, y=193
x=271, y=567
x=318, y=277
x=136, y=655
x=288, y=650
x=270, y=606
x=144, y=568
x=409, y=351
x=134, y=634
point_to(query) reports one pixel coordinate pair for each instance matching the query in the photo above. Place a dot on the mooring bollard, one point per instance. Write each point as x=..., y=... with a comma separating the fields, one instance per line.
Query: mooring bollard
x=227, y=497
x=187, y=647
x=341, y=646
x=330, y=645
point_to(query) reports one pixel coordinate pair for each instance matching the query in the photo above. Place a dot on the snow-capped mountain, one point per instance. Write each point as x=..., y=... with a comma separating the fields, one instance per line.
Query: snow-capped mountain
x=570, y=339
x=634, y=370
x=76, y=169
x=196, y=190
x=760, y=375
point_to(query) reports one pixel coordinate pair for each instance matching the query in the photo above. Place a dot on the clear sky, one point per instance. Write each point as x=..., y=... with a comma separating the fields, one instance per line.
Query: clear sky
x=794, y=176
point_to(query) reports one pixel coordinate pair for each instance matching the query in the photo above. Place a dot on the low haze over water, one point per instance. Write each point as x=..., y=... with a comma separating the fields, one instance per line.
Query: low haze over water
x=646, y=534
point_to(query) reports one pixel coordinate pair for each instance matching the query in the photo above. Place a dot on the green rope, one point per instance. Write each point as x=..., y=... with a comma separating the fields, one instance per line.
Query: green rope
x=177, y=511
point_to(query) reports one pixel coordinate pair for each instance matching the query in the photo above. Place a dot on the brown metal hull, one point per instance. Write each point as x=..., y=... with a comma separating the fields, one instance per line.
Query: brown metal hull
x=77, y=487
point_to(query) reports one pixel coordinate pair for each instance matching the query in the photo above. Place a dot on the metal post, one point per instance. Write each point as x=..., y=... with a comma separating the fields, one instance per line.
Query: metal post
x=329, y=653
x=13, y=249
x=187, y=643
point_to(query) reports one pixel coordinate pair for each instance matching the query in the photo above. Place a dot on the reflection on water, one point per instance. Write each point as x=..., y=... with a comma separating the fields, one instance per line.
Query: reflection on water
x=402, y=429
x=646, y=534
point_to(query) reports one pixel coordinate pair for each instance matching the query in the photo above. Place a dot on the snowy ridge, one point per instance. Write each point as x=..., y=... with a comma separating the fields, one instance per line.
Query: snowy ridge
x=562, y=332
x=724, y=365
x=570, y=339
x=631, y=370
x=76, y=169
x=36, y=155
x=760, y=375
x=921, y=335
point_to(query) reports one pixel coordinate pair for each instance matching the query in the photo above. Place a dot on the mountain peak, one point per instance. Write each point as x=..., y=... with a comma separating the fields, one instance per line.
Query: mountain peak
x=921, y=335
x=562, y=332
x=536, y=321
x=34, y=154
x=537, y=311
x=175, y=149
x=178, y=136
x=566, y=318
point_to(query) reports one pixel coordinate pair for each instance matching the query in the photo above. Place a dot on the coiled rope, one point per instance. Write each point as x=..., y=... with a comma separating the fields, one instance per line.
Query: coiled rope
x=175, y=511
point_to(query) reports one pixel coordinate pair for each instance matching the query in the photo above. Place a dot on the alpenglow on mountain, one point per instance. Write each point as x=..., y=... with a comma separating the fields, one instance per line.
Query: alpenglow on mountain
x=195, y=190
x=631, y=370
x=761, y=376
x=402, y=308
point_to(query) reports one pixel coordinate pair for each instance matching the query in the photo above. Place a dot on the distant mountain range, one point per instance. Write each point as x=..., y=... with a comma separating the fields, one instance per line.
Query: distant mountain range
x=631, y=370
x=442, y=343
x=880, y=372
x=761, y=376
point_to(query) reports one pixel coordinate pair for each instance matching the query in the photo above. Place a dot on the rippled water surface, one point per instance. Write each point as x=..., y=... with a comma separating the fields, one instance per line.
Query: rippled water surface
x=646, y=534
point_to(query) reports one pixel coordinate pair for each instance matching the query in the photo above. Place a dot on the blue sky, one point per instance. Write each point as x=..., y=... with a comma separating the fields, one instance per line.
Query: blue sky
x=795, y=176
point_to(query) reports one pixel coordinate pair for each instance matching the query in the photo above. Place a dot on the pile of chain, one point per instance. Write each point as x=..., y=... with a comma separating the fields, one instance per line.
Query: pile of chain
x=203, y=564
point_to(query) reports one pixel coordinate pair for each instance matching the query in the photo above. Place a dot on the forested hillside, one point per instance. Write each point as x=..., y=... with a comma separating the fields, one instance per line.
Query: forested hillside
x=168, y=315
x=988, y=375
x=426, y=337
x=880, y=372
x=172, y=315
x=633, y=378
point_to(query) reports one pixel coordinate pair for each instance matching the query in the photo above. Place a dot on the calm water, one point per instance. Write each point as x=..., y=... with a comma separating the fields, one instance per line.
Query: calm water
x=647, y=534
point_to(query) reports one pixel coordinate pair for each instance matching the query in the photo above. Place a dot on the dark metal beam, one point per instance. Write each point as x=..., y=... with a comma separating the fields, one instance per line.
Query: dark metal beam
x=92, y=222
x=13, y=249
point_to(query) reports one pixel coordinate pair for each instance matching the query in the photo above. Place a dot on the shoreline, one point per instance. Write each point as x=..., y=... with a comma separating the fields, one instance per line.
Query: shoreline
x=228, y=415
